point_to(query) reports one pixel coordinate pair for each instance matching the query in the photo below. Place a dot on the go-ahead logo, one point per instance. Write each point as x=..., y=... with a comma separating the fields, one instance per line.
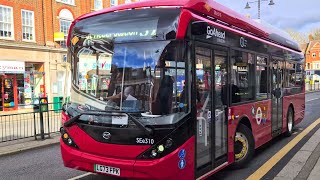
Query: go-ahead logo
x=215, y=32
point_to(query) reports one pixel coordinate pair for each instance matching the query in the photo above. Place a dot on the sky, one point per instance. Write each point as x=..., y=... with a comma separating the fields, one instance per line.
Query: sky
x=299, y=15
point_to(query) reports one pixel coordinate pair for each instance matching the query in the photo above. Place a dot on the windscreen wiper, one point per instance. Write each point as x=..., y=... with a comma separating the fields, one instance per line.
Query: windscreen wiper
x=95, y=113
x=146, y=129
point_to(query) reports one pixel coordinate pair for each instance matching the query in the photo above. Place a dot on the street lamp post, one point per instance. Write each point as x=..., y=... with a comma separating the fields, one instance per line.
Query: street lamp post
x=259, y=5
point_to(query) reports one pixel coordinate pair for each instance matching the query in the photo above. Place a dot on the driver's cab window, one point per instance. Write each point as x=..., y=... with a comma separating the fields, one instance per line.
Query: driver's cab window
x=169, y=83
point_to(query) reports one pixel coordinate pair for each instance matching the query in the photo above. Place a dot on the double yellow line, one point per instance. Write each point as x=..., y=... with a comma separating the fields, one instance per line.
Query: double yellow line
x=265, y=168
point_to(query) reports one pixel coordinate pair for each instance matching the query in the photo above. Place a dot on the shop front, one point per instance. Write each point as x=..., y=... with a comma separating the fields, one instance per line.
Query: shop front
x=21, y=83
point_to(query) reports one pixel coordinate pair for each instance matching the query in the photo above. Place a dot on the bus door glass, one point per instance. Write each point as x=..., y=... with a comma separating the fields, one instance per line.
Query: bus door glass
x=204, y=105
x=221, y=99
x=211, y=78
x=277, y=94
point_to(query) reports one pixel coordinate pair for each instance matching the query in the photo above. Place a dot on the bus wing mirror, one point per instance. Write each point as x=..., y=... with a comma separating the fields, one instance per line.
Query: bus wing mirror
x=199, y=27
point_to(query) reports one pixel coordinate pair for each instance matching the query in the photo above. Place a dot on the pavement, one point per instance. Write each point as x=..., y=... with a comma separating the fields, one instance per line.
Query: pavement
x=305, y=164
x=16, y=146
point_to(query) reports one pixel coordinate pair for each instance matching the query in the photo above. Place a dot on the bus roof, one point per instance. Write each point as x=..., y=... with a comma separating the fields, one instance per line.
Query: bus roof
x=214, y=10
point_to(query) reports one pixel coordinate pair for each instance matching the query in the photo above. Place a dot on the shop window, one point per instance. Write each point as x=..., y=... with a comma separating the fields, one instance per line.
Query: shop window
x=8, y=92
x=20, y=88
x=6, y=22
x=261, y=78
x=242, y=76
x=28, y=25
x=127, y=1
x=60, y=82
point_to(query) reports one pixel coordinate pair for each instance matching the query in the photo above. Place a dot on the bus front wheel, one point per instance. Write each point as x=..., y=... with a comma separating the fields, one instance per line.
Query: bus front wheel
x=243, y=146
x=288, y=133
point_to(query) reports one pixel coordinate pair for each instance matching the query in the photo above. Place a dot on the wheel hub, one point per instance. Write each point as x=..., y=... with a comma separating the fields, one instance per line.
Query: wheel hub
x=290, y=123
x=241, y=146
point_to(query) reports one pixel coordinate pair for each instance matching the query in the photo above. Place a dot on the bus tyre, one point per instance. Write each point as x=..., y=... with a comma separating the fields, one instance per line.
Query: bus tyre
x=243, y=147
x=288, y=133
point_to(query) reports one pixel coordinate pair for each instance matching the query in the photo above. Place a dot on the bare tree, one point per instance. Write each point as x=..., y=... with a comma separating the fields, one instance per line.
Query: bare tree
x=297, y=36
x=315, y=34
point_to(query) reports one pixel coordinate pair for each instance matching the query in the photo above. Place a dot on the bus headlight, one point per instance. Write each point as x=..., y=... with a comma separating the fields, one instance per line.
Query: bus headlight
x=70, y=142
x=67, y=139
x=154, y=153
x=158, y=150
x=168, y=143
x=173, y=140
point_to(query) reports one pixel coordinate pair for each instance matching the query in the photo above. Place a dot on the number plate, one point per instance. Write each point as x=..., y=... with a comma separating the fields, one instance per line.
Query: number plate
x=107, y=169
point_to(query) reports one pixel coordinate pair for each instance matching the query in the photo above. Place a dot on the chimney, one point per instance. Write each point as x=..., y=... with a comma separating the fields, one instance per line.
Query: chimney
x=311, y=37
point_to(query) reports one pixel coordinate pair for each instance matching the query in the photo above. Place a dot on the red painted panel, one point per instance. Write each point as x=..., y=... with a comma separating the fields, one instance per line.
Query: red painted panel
x=298, y=103
x=259, y=115
x=209, y=7
x=167, y=167
x=164, y=168
x=184, y=20
x=91, y=146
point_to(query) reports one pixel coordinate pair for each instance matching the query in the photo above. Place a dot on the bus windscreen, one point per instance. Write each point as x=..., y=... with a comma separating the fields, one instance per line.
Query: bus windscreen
x=121, y=27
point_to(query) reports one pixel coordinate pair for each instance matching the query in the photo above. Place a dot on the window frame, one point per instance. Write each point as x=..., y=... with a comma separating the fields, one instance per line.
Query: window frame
x=94, y=5
x=254, y=55
x=287, y=73
x=116, y=2
x=33, y=25
x=69, y=2
x=267, y=66
x=12, y=23
x=66, y=34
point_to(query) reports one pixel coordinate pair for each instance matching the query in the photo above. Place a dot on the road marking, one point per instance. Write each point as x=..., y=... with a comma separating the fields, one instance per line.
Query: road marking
x=312, y=99
x=81, y=176
x=265, y=168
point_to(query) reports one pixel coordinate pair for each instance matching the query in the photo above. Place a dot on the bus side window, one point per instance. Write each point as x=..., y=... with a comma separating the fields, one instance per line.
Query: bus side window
x=261, y=78
x=242, y=76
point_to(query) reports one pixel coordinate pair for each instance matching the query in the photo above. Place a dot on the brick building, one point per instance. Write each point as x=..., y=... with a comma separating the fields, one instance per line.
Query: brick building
x=32, y=47
x=312, y=54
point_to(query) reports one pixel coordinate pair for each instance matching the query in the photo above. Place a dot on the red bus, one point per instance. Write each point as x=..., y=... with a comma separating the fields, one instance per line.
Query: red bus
x=176, y=90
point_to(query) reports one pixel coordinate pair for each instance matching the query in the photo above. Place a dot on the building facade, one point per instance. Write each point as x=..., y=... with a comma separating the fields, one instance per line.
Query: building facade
x=32, y=46
x=312, y=54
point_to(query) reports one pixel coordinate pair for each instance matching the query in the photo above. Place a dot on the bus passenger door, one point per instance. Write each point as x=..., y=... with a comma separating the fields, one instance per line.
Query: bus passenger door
x=211, y=77
x=277, y=95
